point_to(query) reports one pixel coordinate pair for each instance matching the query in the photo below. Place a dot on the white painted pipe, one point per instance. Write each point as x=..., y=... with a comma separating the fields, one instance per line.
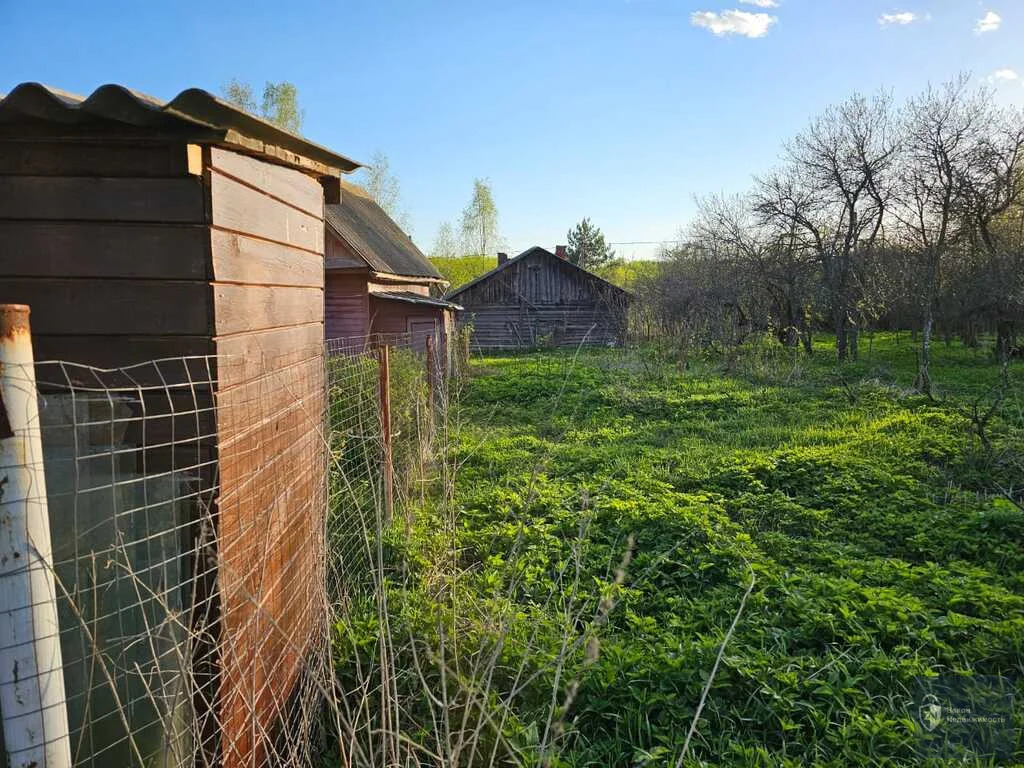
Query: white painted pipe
x=32, y=701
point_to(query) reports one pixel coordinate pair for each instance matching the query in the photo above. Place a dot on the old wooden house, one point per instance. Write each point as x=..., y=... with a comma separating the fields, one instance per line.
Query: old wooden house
x=378, y=282
x=192, y=233
x=539, y=298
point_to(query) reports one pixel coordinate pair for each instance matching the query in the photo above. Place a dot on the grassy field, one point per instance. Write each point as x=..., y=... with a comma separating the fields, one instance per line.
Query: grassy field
x=610, y=513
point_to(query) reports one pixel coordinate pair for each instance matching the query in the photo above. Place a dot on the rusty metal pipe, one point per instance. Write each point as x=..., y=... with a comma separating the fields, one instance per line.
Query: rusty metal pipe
x=32, y=700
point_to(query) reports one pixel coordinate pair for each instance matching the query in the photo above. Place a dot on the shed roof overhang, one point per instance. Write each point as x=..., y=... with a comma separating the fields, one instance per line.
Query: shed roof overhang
x=414, y=298
x=194, y=114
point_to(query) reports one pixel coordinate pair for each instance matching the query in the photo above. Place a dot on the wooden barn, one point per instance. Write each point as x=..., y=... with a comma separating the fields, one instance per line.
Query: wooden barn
x=378, y=281
x=539, y=298
x=139, y=230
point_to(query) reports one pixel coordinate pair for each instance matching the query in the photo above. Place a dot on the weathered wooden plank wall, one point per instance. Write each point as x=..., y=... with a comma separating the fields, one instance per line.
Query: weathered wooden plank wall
x=539, y=299
x=347, y=304
x=92, y=233
x=268, y=322
x=133, y=250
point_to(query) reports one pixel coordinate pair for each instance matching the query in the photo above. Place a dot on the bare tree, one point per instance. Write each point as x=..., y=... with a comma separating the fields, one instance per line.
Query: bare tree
x=994, y=197
x=831, y=197
x=944, y=186
x=775, y=262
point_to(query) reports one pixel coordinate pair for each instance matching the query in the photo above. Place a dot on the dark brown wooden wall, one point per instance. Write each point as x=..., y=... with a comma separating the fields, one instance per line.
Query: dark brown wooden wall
x=130, y=251
x=107, y=243
x=399, y=317
x=268, y=316
x=347, y=304
x=538, y=299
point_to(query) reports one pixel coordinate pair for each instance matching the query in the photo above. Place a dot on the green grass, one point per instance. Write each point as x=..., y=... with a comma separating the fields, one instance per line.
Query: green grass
x=871, y=518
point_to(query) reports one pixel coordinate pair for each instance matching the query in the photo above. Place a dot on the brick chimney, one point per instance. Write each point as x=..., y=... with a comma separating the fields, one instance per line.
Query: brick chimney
x=560, y=252
x=502, y=258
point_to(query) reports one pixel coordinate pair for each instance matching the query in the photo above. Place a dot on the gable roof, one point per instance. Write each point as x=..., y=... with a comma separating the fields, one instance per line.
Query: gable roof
x=193, y=113
x=375, y=237
x=535, y=250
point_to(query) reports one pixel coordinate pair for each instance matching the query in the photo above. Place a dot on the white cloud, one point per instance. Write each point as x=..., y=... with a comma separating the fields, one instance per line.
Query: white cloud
x=734, y=22
x=988, y=23
x=1004, y=76
x=762, y=3
x=903, y=18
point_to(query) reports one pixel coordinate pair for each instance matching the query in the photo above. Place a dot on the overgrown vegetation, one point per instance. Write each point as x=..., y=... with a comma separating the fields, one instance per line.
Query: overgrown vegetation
x=878, y=216
x=563, y=596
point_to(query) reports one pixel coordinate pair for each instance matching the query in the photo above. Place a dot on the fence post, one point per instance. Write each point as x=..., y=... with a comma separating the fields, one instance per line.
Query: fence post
x=431, y=385
x=385, y=430
x=35, y=719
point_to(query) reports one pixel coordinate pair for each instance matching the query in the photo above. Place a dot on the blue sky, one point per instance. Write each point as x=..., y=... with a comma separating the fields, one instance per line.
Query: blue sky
x=620, y=110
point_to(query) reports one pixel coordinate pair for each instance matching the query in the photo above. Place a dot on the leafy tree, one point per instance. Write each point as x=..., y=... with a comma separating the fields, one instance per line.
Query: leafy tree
x=280, y=103
x=480, y=220
x=446, y=246
x=383, y=186
x=459, y=270
x=587, y=247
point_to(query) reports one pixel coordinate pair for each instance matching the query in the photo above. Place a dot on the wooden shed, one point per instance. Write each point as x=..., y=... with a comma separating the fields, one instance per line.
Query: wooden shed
x=541, y=299
x=378, y=281
x=139, y=230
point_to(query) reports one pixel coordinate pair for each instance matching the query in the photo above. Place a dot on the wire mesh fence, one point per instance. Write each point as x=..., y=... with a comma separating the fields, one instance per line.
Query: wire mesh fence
x=210, y=520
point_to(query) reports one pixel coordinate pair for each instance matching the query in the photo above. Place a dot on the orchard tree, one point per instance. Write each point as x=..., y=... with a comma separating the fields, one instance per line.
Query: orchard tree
x=587, y=247
x=279, y=105
x=960, y=172
x=773, y=263
x=832, y=196
x=480, y=220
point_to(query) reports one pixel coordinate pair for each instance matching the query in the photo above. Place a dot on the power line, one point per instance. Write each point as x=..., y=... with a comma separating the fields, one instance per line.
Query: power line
x=645, y=242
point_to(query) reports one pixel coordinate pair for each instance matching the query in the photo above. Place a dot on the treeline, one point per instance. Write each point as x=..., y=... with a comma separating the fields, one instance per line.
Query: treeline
x=879, y=216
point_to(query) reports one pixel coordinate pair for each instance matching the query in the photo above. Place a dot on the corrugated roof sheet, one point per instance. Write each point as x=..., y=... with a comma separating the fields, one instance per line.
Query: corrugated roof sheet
x=193, y=110
x=414, y=298
x=375, y=237
x=527, y=252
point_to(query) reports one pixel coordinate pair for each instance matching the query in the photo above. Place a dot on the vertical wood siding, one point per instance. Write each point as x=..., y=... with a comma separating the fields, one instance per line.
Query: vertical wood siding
x=540, y=300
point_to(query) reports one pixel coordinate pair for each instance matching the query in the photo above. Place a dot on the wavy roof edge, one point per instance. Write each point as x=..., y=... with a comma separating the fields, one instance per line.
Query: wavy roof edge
x=192, y=107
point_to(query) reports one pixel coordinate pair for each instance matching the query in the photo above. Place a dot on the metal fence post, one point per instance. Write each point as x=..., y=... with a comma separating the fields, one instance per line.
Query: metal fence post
x=35, y=720
x=385, y=429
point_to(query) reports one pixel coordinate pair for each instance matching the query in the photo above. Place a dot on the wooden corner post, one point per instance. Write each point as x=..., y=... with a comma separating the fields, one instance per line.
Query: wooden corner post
x=32, y=700
x=383, y=355
x=431, y=385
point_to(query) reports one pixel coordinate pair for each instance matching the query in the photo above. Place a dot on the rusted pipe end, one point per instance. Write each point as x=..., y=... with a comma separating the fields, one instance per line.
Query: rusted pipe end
x=13, y=319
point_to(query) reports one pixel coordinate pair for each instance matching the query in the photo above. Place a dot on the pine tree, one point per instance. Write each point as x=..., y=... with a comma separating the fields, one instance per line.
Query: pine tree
x=587, y=247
